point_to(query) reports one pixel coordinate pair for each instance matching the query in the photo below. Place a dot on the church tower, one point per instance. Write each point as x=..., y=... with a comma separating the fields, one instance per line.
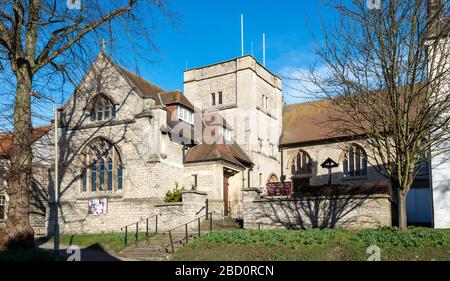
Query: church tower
x=249, y=98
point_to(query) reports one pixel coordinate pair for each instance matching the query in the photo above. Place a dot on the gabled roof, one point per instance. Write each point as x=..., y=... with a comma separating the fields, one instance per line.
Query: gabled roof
x=325, y=120
x=307, y=122
x=176, y=97
x=219, y=150
x=231, y=153
x=6, y=142
x=155, y=92
x=147, y=88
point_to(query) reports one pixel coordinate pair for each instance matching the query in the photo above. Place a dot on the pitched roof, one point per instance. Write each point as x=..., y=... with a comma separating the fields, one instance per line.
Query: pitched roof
x=147, y=88
x=155, y=92
x=231, y=153
x=325, y=119
x=6, y=143
x=176, y=97
x=307, y=122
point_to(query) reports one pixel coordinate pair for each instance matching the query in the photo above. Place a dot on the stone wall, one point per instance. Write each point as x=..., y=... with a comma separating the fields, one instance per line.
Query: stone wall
x=353, y=212
x=177, y=214
x=74, y=217
x=256, y=129
x=319, y=153
x=152, y=163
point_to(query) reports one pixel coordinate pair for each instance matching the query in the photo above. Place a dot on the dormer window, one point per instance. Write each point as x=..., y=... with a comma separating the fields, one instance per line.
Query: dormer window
x=185, y=115
x=103, y=109
x=228, y=136
x=226, y=133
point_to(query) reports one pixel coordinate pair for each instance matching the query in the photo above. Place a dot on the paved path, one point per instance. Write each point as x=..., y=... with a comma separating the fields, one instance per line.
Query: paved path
x=87, y=253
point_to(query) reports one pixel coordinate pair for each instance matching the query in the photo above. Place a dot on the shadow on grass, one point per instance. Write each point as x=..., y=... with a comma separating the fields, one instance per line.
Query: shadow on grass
x=33, y=254
x=94, y=252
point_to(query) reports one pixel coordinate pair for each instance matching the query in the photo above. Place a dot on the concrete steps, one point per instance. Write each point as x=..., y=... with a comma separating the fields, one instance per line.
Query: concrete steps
x=158, y=248
x=151, y=250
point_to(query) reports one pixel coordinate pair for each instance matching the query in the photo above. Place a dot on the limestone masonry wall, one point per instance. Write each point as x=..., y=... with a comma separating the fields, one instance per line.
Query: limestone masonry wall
x=176, y=214
x=371, y=211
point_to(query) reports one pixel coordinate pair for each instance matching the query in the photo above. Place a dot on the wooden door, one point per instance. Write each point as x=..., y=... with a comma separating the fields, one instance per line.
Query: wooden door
x=225, y=194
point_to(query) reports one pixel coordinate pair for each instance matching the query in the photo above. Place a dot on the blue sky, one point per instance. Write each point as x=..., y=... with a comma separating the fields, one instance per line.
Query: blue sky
x=206, y=32
x=209, y=31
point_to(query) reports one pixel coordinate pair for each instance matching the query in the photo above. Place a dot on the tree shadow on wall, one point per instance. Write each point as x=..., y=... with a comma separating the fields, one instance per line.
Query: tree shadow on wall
x=322, y=207
x=78, y=131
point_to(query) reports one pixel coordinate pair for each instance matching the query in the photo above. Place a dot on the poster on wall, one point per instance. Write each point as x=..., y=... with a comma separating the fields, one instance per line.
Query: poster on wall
x=98, y=207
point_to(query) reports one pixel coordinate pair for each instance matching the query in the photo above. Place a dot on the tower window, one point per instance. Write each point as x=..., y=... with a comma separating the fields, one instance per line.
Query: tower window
x=216, y=99
x=220, y=98
x=213, y=99
x=260, y=145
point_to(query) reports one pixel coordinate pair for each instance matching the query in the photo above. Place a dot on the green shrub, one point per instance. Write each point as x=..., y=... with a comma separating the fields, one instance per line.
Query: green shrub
x=174, y=196
x=269, y=238
x=413, y=238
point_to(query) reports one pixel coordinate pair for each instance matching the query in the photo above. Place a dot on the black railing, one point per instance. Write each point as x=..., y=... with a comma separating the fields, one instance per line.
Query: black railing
x=207, y=216
x=136, y=226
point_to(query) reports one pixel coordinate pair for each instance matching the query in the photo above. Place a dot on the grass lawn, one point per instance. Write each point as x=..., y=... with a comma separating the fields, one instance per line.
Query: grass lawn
x=318, y=245
x=110, y=241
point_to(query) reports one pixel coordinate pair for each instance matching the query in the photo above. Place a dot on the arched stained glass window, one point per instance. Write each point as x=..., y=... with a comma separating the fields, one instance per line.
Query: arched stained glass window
x=355, y=162
x=301, y=163
x=103, y=169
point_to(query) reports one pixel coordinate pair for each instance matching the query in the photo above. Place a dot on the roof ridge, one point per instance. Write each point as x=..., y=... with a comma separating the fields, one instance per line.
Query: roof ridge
x=140, y=77
x=33, y=129
x=308, y=102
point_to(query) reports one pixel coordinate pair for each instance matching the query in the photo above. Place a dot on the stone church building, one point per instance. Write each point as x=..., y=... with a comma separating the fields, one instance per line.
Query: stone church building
x=125, y=142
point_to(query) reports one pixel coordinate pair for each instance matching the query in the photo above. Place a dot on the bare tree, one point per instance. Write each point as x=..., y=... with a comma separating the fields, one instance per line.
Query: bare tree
x=384, y=69
x=42, y=38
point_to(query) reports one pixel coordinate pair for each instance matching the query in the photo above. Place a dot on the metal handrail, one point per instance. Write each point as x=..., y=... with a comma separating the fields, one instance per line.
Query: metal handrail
x=208, y=216
x=187, y=223
x=137, y=228
x=158, y=215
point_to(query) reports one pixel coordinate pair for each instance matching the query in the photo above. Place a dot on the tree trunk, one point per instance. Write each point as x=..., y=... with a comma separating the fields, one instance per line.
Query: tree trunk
x=402, y=217
x=18, y=231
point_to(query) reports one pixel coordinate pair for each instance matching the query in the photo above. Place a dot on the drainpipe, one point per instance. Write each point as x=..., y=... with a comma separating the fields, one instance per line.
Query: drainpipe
x=282, y=177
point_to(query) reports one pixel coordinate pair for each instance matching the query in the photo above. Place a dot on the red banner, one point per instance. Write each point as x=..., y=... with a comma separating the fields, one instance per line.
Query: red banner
x=279, y=189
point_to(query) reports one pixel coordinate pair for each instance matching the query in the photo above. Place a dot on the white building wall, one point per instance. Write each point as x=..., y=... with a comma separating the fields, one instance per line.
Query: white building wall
x=441, y=190
x=440, y=164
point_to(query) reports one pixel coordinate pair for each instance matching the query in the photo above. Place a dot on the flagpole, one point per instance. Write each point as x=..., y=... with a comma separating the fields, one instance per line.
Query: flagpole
x=56, y=186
